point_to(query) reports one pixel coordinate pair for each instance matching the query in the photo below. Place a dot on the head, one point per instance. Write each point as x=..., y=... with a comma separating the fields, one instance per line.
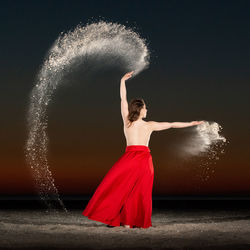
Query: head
x=137, y=110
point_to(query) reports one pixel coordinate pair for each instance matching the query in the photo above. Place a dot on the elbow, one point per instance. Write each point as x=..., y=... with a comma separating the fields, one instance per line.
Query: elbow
x=169, y=125
x=174, y=125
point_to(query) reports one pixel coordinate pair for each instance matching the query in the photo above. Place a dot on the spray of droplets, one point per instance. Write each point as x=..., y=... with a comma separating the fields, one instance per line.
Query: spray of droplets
x=204, y=145
x=205, y=135
x=98, y=40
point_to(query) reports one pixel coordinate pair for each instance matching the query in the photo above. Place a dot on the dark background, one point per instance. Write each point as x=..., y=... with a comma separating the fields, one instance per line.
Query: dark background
x=199, y=70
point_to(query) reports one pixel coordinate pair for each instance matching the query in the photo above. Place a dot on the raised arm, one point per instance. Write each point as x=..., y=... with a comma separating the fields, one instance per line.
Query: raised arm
x=157, y=126
x=123, y=94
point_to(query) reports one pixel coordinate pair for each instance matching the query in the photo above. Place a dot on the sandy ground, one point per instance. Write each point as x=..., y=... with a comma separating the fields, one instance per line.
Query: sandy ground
x=172, y=229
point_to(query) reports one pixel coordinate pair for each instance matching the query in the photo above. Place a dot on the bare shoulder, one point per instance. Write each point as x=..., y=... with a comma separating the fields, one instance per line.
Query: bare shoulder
x=150, y=124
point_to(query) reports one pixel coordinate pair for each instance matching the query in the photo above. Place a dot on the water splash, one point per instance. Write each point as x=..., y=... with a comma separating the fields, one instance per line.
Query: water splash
x=204, y=137
x=100, y=40
x=204, y=146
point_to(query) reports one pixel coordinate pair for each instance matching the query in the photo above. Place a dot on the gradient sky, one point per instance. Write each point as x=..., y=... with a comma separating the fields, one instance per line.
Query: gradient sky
x=199, y=70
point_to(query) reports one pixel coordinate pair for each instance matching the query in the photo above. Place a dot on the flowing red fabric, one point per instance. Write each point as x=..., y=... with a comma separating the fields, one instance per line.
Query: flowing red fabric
x=124, y=196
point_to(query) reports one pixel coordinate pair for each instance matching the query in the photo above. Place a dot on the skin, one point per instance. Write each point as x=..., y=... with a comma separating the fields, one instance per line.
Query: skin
x=139, y=132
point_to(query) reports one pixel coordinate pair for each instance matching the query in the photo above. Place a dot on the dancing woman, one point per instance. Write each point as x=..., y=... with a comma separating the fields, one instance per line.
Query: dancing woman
x=124, y=197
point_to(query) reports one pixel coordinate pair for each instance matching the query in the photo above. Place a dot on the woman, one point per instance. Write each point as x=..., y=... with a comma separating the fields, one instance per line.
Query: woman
x=124, y=197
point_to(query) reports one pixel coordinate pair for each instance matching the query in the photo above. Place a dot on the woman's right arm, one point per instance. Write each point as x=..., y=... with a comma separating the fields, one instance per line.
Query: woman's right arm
x=157, y=126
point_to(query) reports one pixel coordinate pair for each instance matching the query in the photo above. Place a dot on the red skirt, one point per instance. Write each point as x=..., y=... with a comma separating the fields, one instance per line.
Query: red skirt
x=124, y=196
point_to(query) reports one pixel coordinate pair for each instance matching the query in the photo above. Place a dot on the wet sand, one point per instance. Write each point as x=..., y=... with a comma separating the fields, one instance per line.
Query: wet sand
x=172, y=229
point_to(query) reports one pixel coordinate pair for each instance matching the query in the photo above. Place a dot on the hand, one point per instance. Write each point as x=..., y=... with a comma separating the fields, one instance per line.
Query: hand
x=127, y=76
x=197, y=122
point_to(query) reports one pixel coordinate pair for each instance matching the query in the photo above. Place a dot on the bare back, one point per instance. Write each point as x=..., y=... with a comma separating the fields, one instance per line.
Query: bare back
x=138, y=133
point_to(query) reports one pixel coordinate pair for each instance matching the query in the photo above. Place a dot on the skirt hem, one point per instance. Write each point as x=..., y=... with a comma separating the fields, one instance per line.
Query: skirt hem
x=95, y=218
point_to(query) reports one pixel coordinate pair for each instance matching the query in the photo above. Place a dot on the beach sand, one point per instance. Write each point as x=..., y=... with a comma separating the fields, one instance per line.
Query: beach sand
x=172, y=229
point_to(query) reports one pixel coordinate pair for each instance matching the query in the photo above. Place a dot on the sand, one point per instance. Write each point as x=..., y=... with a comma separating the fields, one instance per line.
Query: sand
x=172, y=229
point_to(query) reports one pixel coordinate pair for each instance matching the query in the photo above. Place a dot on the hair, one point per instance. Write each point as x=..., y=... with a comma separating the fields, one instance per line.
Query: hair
x=134, y=108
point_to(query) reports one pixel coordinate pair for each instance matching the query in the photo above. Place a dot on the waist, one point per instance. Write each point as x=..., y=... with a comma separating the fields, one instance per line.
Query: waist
x=137, y=148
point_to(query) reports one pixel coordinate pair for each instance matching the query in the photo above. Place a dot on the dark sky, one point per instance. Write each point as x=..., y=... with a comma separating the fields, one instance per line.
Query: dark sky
x=199, y=70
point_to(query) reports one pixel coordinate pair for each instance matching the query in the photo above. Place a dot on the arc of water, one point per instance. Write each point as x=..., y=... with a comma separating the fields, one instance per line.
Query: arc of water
x=100, y=39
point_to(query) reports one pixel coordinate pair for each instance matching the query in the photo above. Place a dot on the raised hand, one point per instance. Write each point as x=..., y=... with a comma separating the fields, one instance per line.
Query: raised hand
x=127, y=76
